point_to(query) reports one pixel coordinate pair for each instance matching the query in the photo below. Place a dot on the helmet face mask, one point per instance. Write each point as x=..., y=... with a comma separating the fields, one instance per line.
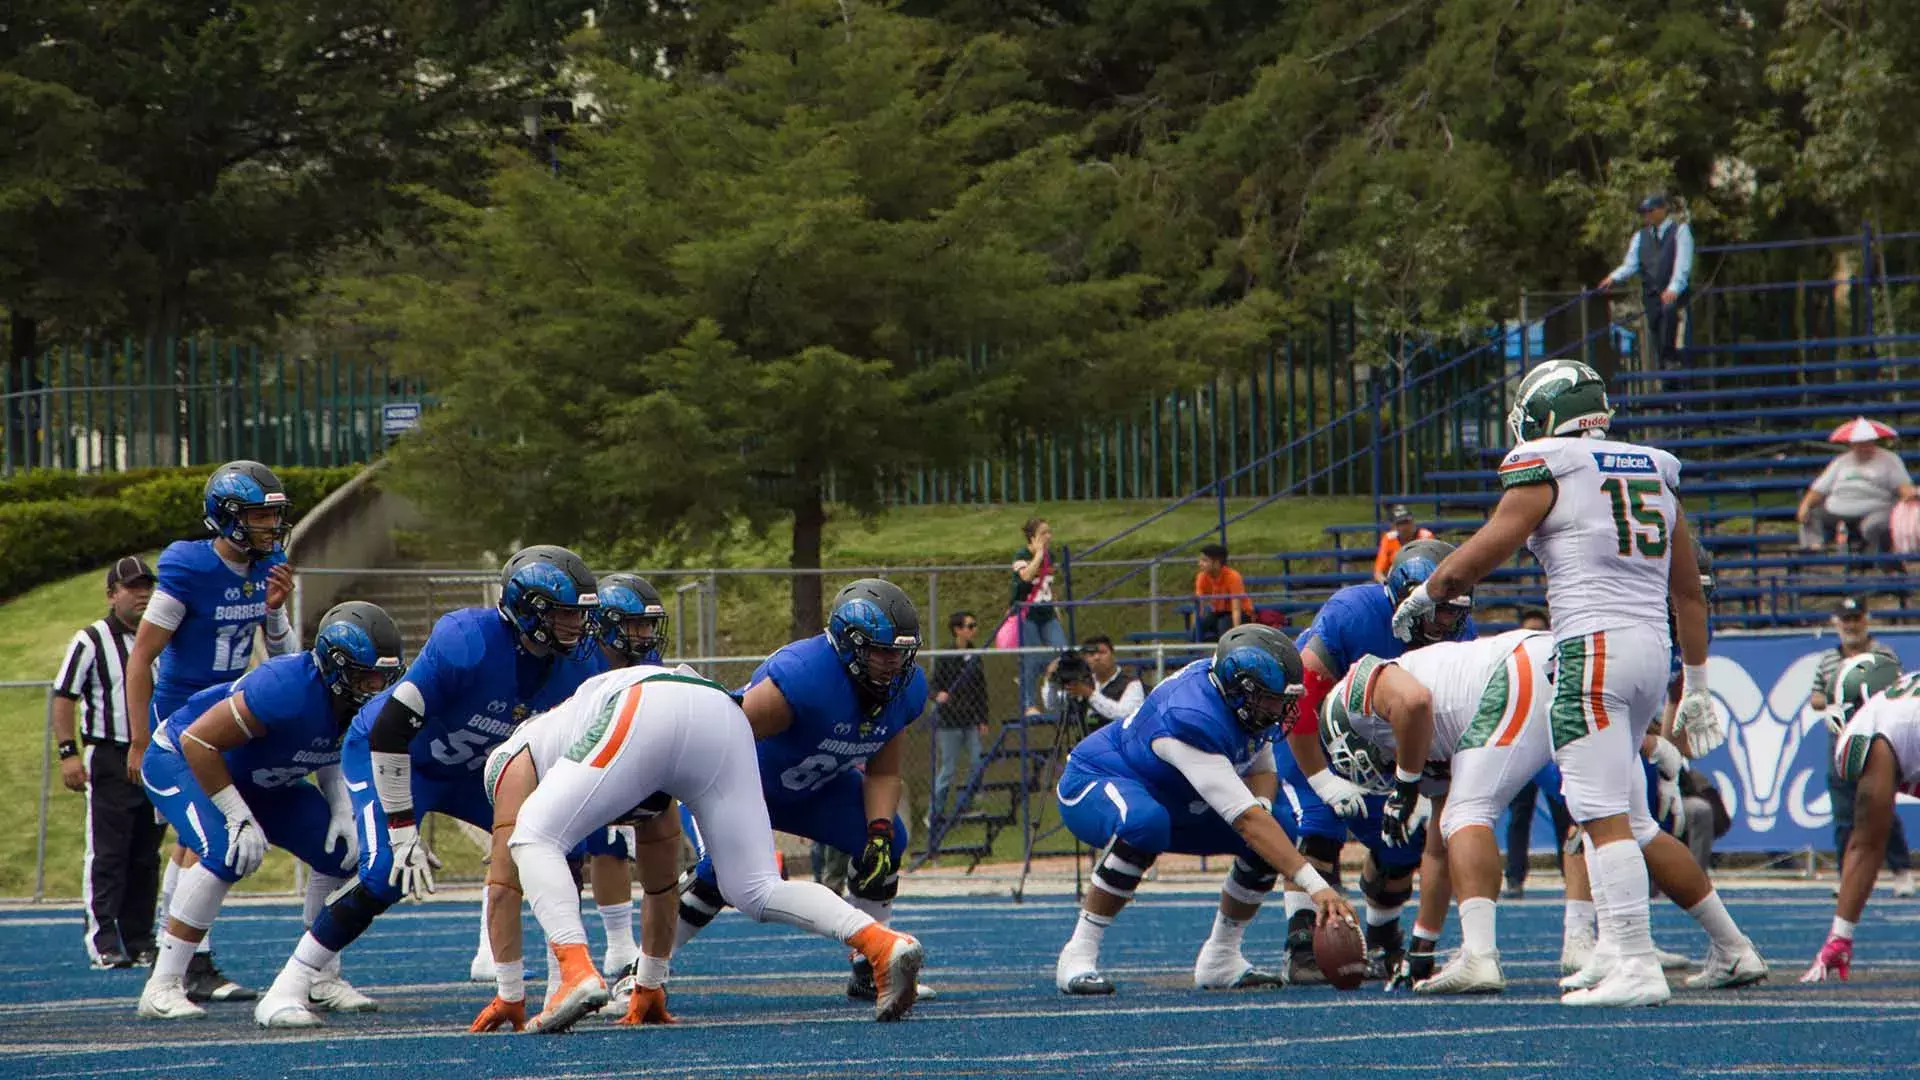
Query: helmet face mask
x=1259, y=675
x=359, y=652
x=631, y=621
x=1351, y=756
x=875, y=630
x=547, y=594
x=245, y=504
x=1413, y=565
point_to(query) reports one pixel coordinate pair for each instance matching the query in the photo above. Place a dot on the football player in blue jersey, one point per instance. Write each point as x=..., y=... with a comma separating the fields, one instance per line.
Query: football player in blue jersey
x=1358, y=621
x=631, y=624
x=1192, y=773
x=228, y=770
x=422, y=745
x=823, y=710
x=199, y=627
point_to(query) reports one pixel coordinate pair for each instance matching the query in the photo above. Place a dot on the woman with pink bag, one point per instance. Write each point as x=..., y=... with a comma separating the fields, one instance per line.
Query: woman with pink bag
x=1031, y=618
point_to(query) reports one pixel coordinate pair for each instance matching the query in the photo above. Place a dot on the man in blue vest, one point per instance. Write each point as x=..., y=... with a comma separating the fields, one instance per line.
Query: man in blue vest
x=1661, y=254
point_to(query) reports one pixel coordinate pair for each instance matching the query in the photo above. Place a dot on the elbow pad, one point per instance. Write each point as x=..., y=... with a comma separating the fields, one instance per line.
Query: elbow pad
x=393, y=730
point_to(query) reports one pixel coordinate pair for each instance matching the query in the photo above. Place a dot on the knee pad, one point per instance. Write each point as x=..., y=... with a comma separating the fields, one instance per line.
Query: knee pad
x=1377, y=885
x=1464, y=813
x=1323, y=851
x=344, y=920
x=197, y=898
x=700, y=899
x=1250, y=880
x=1121, y=867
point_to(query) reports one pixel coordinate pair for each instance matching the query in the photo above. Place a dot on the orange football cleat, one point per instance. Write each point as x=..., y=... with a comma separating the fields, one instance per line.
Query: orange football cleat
x=648, y=1005
x=896, y=960
x=499, y=1014
x=581, y=991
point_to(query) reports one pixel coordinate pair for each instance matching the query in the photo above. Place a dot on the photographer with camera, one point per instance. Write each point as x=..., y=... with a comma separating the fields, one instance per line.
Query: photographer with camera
x=1093, y=679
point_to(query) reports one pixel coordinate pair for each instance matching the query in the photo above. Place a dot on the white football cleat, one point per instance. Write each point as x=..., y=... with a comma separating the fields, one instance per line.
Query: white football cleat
x=482, y=969
x=335, y=994
x=284, y=1005
x=1903, y=883
x=1575, y=952
x=1630, y=982
x=1225, y=968
x=1466, y=973
x=1596, y=967
x=1725, y=970
x=1671, y=961
x=168, y=1001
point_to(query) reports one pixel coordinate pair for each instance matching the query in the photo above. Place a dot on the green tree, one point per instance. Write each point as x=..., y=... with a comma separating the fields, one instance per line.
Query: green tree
x=736, y=292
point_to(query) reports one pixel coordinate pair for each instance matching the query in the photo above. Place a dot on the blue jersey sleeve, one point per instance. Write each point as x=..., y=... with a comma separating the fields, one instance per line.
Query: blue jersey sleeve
x=1330, y=627
x=1203, y=730
x=276, y=691
x=914, y=697
x=446, y=665
x=799, y=681
x=173, y=573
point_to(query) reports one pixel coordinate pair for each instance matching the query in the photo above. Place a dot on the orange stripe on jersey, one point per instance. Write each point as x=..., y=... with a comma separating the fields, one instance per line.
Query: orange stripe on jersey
x=621, y=725
x=1529, y=463
x=1597, y=681
x=1522, y=700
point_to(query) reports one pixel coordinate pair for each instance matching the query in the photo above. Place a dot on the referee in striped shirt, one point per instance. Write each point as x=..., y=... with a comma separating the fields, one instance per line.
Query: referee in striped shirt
x=120, y=878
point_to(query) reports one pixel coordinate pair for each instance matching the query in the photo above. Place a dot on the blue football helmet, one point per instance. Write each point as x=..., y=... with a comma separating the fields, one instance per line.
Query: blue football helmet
x=359, y=651
x=1260, y=676
x=234, y=489
x=548, y=594
x=875, y=631
x=632, y=620
x=1414, y=564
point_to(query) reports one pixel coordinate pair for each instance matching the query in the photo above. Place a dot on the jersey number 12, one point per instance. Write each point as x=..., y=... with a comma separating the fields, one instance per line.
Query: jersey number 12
x=1637, y=525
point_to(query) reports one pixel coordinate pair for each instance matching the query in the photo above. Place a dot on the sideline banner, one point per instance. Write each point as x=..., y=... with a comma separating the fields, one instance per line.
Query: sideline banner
x=1772, y=772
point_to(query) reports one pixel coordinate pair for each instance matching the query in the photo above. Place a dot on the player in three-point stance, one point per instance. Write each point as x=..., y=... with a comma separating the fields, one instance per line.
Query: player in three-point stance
x=1191, y=773
x=1877, y=713
x=824, y=710
x=209, y=598
x=1603, y=518
x=228, y=770
x=624, y=747
x=422, y=744
x=1358, y=621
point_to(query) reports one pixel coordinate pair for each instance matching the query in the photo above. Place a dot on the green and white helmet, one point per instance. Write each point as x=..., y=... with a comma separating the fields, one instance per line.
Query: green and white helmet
x=1859, y=678
x=1560, y=397
x=1350, y=754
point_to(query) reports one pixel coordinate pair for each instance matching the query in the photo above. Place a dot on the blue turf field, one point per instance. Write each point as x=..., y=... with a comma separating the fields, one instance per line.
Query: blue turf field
x=766, y=1001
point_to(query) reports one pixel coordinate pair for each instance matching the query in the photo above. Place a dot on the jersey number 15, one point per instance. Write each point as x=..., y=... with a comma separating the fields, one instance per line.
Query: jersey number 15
x=1637, y=525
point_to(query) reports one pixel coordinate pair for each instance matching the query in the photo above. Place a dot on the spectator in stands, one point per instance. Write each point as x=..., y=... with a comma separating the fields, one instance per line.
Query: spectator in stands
x=1405, y=531
x=1850, y=622
x=960, y=704
x=1231, y=605
x=1860, y=487
x=1114, y=693
x=1661, y=254
x=1534, y=619
x=1032, y=603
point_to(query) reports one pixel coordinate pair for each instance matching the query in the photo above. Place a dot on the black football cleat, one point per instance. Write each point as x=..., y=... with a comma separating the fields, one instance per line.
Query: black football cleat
x=205, y=983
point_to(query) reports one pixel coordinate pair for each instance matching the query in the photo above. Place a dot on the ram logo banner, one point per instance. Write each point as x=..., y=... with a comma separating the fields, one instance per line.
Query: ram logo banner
x=1772, y=772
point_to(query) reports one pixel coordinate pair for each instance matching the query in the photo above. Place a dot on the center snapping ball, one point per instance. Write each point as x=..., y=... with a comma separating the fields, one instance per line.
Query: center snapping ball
x=1341, y=953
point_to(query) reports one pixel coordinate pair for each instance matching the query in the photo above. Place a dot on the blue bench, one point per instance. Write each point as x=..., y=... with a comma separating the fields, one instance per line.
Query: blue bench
x=1752, y=620
x=1753, y=416
x=1807, y=465
x=1748, y=371
x=1856, y=388
x=1717, y=542
x=1446, y=525
x=1710, y=487
x=1307, y=581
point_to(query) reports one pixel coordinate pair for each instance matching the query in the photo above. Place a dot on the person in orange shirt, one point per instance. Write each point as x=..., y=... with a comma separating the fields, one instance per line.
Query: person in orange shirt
x=1216, y=578
x=1404, y=531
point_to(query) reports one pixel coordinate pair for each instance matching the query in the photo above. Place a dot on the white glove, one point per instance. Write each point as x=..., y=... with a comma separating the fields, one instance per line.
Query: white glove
x=339, y=816
x=1669, y=807
x=1835, y=718
x=1666, y=758
x=1417, y=604
x=246, y=843
x=412, y=870
x=1347, y=798
x=1701, y=722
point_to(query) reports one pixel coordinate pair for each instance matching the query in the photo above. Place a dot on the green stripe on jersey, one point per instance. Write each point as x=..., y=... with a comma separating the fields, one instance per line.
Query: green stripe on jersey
x=1532, y=474
x=1493, y=706
x=1569, y=711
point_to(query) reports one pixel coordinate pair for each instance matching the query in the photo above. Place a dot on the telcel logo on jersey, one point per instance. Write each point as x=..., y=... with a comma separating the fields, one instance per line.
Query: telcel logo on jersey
x=1624, y=463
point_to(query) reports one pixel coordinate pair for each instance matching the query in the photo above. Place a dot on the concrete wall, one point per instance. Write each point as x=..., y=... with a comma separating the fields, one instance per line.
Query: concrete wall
x=352, y=528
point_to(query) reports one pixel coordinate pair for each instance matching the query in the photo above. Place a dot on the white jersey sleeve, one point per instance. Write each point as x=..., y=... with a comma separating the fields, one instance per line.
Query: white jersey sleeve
x=1893, y=718
x=1606, y=543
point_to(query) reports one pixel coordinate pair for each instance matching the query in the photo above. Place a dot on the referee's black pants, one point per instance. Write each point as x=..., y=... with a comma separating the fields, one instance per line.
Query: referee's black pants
x=120, y=879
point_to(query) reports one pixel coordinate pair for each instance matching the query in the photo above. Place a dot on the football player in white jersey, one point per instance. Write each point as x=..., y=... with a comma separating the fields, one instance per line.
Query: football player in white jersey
x=630, y=735
x=1877, y=712
x=1603, y=517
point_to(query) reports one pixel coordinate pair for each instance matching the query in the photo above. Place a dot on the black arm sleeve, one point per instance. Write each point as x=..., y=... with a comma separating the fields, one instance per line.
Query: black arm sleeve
x=393, y=730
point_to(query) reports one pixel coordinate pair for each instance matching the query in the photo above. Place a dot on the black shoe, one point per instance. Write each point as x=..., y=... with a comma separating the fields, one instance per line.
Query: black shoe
x=1385, y=947
x=145, y=956
x=860, y=982
x=1514, y=891
x=1411, y=968
x=1092, y=984
x=205, y=983
x=112, y=960
x=1302, y=966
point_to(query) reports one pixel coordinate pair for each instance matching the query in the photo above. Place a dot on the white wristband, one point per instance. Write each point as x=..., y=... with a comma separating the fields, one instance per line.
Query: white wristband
x=510, y=979
x=1309, y=879
x=1404, y=776
x=1842, y=928
x=230, y=804
x=1693, y=677
x=1322, y=782
x=651, y=971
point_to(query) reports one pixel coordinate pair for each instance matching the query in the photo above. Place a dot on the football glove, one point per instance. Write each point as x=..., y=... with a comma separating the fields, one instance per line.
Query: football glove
x=1669, y=808
x=1412, y=968
x=1666, y=758
x=412, y=869
x=246, y=843
x=648, y=1005
x=1834, y=962
x=1416, y=605
x=876, y=861
x=1342, y=795
x=1403, y=815
x=499, y=1014
x=1700, y=721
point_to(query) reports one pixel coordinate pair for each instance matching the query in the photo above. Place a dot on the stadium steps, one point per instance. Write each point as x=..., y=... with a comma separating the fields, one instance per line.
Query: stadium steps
x=416, y=601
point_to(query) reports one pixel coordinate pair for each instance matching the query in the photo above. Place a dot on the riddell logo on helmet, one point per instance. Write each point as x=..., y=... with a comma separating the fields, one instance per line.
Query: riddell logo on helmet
x=1588, y=423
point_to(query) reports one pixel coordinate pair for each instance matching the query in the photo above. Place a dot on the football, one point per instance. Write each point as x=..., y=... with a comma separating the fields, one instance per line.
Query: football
x=1341, y=954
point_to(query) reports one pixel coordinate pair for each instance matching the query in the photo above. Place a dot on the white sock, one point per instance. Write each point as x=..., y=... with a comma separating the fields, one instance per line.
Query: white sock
x=880, y=911
x=1381, y=916
x=1477, y=926
x=1227, y=932
x=1577, y=921
x=1088, y=931
x=485, y=948
x=310, y=958
x=549, y=887
x=618, y=919
x=1297, y=902
x=314, y=900
x=1712, y=916
x=169, y=878
x=1622, y=879
x=170, y=967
